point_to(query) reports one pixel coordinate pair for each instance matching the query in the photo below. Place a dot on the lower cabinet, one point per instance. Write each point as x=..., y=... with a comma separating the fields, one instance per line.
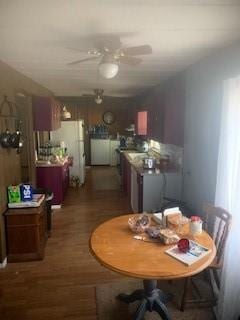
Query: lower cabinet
x=148, y=190
x=56, y=179
x=136, y=191
x=125, y=174
x=114, y=144
x=100, y=151
x=26, y=232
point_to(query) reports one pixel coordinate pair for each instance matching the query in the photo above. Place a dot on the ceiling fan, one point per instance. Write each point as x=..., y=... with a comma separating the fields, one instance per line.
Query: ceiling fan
x=98, y=95
x=111, y=54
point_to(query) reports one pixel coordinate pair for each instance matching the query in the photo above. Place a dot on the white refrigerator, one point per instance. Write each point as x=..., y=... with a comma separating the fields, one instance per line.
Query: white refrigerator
x=72, y=134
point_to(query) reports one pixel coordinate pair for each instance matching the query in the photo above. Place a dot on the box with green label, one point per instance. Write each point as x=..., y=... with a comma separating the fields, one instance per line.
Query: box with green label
x=14, y=194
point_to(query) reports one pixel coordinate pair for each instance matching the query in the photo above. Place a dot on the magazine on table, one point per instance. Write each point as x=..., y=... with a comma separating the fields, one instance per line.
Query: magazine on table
x=196, y=252
x=34, y=203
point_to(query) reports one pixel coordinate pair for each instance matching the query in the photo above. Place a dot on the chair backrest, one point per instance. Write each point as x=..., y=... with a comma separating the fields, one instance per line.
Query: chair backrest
x=217, y=221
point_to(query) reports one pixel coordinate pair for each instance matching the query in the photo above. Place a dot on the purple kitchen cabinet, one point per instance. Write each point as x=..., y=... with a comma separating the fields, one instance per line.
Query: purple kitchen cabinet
x=56, y=179
x=46, y=114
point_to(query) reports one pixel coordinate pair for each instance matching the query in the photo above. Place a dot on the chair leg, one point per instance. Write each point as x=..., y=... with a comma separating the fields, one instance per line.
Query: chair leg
x=184, y=296
x=216, y=277
x=200, y=301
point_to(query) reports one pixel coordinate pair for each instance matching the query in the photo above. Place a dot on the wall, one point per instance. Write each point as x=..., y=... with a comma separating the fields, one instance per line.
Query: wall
x=85, y=108
x=204, y=92
x=11, y=82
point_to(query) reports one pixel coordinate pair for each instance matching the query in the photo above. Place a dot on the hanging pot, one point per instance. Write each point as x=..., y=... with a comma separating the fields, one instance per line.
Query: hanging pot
x=5, y=138
x=15, y=137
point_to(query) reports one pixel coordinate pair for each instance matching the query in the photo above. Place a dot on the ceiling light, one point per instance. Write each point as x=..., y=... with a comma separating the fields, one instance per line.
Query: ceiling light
x=21, y=94
x=65, y=113
x=98, y=100
x=108, y=67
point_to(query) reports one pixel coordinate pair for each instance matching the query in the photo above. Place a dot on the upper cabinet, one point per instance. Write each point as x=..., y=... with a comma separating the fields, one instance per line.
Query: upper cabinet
x=165, y=107
x=142, y=123
x=46, y=114
x=174, y=113
x=155, y=117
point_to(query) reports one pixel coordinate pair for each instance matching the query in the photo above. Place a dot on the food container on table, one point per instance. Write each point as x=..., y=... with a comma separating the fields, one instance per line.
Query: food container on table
x=177, y=222
x=26, y=192
x=168, y=236
x=139, y=223
x=195, y=225
x=14, y=194
x=153, y=232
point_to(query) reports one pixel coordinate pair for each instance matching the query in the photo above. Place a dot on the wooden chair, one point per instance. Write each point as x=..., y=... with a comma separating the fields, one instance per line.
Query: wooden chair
x=217, y=224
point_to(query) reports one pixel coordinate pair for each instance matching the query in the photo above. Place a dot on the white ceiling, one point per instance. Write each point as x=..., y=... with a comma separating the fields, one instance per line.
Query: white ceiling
x=35, y=37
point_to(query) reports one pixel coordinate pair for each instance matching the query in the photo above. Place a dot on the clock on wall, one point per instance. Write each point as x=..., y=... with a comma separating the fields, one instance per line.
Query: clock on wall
x=108, y=117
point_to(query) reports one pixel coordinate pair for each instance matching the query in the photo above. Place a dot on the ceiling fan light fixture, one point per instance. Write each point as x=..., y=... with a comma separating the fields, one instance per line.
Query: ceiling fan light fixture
x=65, y=113
x=108, y=70
x=108, y=67
x=98, y=100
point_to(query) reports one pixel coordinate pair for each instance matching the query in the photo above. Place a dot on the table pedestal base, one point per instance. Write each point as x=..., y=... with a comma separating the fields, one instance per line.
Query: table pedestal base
x=151, y=299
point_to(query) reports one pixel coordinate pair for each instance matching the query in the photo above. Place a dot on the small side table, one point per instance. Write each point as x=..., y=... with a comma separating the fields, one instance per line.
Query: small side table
x=26, y=232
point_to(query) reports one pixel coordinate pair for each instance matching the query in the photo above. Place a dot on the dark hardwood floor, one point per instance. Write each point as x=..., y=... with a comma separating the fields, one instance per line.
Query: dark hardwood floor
x=62, y=286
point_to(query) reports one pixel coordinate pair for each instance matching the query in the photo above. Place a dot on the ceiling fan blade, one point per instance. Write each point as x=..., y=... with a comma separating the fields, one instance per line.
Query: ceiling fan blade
x=135, y=51
x=106, y=42
x=82, y=60
x=130, y=60
x=76, y=49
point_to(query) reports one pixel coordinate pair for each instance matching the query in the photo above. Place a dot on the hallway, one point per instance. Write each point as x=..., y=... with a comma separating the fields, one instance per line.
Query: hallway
x=62, y=286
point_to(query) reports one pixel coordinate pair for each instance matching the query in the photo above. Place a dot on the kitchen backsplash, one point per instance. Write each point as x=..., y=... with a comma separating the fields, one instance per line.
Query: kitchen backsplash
x=174, y=153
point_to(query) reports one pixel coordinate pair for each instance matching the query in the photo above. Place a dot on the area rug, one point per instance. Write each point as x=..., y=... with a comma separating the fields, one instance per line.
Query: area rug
x=109, y=308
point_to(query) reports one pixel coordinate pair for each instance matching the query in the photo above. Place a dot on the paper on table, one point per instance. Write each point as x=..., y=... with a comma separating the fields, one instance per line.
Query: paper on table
x=195, y=253
x=35, y=202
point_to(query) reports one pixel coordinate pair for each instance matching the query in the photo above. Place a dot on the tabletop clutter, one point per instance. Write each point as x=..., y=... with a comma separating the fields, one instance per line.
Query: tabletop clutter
x=23, y=196
x=170, y=227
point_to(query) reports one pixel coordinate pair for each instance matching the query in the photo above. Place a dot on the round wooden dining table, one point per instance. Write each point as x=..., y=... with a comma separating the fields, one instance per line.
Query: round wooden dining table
x=113, y=245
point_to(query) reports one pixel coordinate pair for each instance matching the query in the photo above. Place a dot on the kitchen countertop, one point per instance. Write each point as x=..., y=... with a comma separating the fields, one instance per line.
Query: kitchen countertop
x=157, y=171
x=49, y=164
x=143, y=171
